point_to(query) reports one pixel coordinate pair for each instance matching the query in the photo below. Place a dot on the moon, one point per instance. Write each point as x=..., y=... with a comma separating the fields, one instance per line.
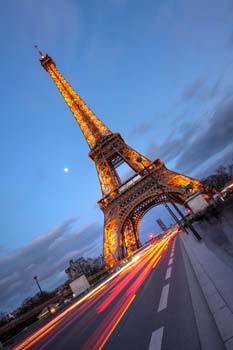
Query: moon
x=66, y=170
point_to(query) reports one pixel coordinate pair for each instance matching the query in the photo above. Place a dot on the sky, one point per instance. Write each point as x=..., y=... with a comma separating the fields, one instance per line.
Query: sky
x=158, y=72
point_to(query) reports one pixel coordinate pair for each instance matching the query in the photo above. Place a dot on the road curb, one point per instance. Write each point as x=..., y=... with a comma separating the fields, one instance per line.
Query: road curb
x=220, y=310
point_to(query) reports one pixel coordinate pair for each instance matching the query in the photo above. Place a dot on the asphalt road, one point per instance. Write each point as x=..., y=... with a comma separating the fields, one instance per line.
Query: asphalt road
x=146, y=306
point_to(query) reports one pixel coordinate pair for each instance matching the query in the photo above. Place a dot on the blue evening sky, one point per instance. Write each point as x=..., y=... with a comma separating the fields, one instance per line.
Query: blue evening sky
x=158, y=72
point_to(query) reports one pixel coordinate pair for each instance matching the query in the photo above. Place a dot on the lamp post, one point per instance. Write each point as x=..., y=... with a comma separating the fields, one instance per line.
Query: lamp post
x=196, y=234
x=35, y=278
x=41, y=292
x=173, y=215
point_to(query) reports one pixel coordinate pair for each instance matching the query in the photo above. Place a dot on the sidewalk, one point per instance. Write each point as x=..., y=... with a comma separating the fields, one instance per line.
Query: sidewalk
x=212, y=261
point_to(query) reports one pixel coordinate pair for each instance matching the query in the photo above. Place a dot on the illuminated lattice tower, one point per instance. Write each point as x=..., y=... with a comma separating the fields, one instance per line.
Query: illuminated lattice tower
x=123, y=203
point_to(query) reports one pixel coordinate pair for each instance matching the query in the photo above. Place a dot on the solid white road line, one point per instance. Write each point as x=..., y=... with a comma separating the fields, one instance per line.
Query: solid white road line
x=156, y=339
x=170, y=261
x=168, y=273
x=163, y=298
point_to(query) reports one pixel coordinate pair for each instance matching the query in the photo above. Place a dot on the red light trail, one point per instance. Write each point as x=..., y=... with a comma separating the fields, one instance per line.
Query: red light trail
x=109, y=301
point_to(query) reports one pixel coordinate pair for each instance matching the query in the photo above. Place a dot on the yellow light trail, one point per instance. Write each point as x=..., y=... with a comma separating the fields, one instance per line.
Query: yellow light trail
x=53, y=323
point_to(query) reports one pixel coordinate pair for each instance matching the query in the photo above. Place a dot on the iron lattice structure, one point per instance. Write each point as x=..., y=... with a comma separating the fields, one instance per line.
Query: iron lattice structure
x=123, y=203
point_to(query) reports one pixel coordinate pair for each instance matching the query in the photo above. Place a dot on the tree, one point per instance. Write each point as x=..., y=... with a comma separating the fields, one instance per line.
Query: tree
x=221, y=176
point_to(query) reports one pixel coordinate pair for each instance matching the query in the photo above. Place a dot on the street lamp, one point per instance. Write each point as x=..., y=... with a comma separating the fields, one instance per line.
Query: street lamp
x=196, y=234
x=35, y=278
x=41, y=292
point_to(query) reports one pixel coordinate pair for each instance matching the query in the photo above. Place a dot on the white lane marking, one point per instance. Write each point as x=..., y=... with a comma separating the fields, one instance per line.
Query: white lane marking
x=156, y=339
x=172, y=253
x=170, y=261
x=168, y=273
x=163, y=298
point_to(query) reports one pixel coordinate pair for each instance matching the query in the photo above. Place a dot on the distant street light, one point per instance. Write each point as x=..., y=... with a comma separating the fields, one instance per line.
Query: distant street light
x=196, y=234
x=35, y=278
x=41, y=292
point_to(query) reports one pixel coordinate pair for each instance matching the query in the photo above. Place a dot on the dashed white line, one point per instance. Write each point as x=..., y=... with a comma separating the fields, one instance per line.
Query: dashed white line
x=170, y=261
x=156, y=339
x=168, y=273
x=163, y=298
x=172, y=253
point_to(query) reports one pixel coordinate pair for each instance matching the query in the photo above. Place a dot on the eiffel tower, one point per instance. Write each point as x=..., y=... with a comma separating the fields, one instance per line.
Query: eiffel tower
x=123, y=203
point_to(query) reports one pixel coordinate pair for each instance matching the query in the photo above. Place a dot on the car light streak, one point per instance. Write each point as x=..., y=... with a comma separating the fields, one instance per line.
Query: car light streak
x=78, y=314
x=60, y=329
x=114, y=317
x=143, y=263
x=38, y=338
x=137, y=284
x=99, y=337
x=116, y=323
x=43, y=330
x=69, y=319
x=119, y=288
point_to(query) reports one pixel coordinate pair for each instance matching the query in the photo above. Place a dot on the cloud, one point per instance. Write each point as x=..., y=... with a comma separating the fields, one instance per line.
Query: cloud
x=173, y=145
x=211, y=90
x=221, y=85
x=210, y=141
x=141, y=129
x=224, y=158
x=3, y=250
x=46, y=256
x=215, y=90
x=193, y=89
x=198, y=147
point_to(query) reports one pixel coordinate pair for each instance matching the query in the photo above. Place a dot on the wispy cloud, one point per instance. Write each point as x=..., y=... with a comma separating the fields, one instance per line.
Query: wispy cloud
x=197, y=145
x=173, y=145
x=141, y=129
x=210, y=141
x=193, y=89
x=46, y=256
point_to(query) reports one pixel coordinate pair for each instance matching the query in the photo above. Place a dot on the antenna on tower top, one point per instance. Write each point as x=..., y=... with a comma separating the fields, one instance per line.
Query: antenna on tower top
x=38, y=50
